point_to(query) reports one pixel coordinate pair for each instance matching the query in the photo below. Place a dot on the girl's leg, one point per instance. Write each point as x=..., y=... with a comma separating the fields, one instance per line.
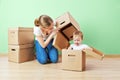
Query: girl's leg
x=52, y=52
x=41, y=53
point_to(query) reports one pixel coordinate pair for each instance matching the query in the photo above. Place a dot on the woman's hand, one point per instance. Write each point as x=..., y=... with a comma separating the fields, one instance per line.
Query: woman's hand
x=54, y=31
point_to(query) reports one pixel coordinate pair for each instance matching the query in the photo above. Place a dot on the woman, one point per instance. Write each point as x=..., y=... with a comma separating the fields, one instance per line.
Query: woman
x=44, y=32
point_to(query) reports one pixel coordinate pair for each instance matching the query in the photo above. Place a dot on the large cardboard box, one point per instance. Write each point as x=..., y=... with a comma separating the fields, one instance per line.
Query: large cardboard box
x=73, y=60
x=20, y=35
x=21, y=53
x=76, y=59
x=67, y=25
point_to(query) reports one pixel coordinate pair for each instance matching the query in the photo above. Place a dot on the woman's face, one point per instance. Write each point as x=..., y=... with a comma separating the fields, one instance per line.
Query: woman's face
x=48, y=29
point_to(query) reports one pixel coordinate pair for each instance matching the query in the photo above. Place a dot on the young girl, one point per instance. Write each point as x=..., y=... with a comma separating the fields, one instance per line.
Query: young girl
x=77, y=42
x=44, y=32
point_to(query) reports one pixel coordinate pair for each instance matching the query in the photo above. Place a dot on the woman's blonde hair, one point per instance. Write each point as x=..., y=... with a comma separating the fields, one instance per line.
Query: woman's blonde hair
x=43, y=20
x=78, y=34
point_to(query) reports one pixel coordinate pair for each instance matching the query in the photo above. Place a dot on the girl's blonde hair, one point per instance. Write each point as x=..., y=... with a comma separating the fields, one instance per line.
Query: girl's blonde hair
x=44, y=21
x=78, y=34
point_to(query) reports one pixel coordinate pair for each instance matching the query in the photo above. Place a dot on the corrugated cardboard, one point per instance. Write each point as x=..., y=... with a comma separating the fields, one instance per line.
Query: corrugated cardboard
x=67, y=26
x=20, y=53
x=68, y=32
x=20, y=35
x=73, y=60
x=60, y=41
x=66, y=19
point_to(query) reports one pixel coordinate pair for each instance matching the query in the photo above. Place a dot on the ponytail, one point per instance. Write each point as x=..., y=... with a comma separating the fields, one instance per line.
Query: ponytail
x=36, y=22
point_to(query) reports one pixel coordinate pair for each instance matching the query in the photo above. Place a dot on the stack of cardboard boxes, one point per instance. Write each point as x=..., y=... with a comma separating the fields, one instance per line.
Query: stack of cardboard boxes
x=20, y=44
x=71, y=59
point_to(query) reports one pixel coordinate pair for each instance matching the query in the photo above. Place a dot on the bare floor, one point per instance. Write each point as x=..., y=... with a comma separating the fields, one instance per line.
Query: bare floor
x=108, y=69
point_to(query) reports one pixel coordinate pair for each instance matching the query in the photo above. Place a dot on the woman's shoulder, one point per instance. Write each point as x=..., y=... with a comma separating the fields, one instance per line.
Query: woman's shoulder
x=37, y=31
x=36, y=28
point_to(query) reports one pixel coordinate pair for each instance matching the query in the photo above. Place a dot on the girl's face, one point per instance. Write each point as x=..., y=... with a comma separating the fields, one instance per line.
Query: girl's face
x=48, y=29
x=77, y=40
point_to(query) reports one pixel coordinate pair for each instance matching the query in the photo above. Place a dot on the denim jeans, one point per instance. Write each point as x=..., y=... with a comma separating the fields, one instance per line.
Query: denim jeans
x=45, y=55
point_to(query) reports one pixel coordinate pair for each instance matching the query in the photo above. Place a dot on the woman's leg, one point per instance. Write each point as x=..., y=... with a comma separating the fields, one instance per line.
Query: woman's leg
x=41, y=53
x=53, y=55
x=52, y=52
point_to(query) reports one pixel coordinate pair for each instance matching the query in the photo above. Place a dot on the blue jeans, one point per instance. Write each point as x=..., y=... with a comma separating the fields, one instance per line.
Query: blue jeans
x=45, y=55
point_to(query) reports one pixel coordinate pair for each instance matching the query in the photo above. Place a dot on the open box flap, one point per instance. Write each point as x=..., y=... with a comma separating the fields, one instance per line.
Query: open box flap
x=95, y=53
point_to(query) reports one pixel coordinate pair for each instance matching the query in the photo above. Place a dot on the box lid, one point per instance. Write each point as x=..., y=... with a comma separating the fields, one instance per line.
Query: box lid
x=95, y=53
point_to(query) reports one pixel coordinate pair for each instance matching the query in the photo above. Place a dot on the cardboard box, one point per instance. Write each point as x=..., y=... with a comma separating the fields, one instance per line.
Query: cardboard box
x=73, y=60
x=66, y=20
x=21, y=53
x=67, y=26
x=20, y=36
x=76, y=59
x=60, y=41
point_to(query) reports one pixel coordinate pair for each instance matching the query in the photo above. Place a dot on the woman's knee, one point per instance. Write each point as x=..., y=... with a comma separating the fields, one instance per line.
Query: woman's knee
x=42, y=61
x=53, y=54
x=54, y=60
x=42, y=57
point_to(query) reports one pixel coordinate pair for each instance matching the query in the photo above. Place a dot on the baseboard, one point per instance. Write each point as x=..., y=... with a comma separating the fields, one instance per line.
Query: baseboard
x=3, y=54
x=112, y=55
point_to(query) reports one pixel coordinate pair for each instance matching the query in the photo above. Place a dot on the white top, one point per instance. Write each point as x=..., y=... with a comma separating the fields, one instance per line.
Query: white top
x=80, y=47
x=38, y=32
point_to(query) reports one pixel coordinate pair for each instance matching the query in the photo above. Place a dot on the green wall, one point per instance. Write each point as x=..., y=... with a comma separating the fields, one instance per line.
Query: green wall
x=98, y=19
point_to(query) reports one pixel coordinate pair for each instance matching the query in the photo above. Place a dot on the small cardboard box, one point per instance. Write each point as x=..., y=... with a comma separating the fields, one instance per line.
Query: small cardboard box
x=73, y=60
x=20, y=53
x=20, y=35
x=67, y=26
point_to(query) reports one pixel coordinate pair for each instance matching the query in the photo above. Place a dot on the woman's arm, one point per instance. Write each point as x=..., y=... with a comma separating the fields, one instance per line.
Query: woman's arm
x=45, y=43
